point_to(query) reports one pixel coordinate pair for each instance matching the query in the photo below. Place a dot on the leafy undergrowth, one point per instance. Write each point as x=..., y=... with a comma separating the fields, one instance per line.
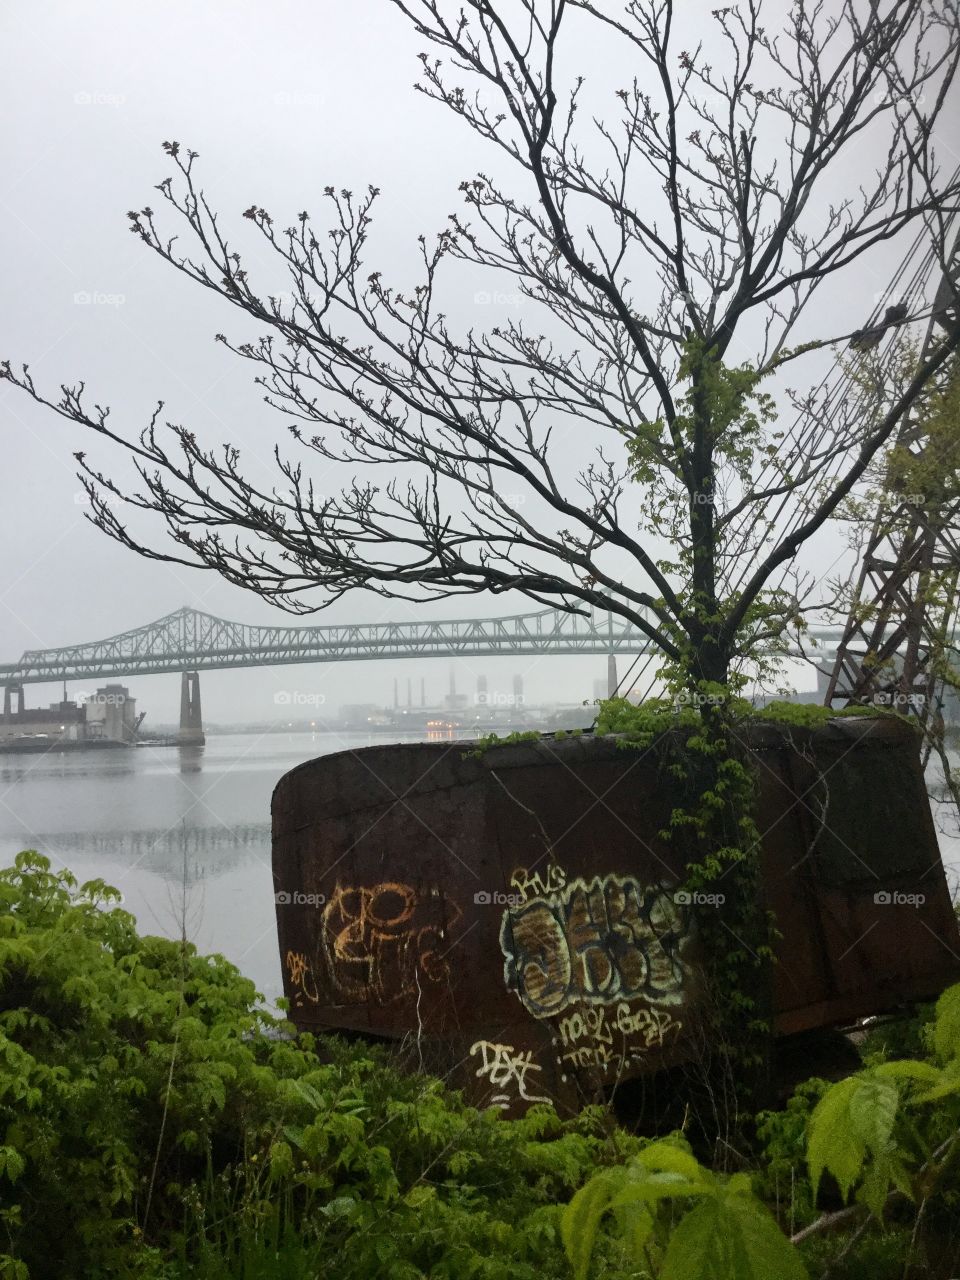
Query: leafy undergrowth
x=646, y=720
x=156, y=1122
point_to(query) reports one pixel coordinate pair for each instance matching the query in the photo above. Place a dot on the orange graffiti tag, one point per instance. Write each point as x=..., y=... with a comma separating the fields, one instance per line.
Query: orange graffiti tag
x=377, y=938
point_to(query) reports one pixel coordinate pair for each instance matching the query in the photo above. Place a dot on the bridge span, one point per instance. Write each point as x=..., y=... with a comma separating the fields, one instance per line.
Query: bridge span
x=189, y=640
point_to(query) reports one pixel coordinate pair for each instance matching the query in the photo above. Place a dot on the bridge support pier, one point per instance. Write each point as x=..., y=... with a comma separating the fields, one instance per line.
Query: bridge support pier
x=9, y=692
x=191, y=723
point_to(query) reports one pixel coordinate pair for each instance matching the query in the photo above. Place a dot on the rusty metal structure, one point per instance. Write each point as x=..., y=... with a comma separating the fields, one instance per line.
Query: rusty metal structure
x=905, y=601
x=514, y=919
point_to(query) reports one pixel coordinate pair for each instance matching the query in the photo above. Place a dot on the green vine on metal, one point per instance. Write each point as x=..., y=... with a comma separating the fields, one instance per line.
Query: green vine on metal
x=699, y=735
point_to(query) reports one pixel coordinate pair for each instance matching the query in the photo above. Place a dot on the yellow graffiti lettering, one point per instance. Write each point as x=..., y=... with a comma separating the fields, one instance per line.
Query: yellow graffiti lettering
x=504, y=1067
x=588, y=1055
x=651, y=1025
x=528, y=883
x=595, y=943
x=377, y=938
x=301, y=977
x=586, y=1022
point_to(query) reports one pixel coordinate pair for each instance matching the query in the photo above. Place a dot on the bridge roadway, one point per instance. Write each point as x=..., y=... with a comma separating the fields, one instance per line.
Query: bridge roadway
x=188, y=640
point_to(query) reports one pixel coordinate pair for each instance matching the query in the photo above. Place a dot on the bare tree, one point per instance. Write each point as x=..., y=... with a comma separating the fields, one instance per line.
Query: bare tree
x=669, y=240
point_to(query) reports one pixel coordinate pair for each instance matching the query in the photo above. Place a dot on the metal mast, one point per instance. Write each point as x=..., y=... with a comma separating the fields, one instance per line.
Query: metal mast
x=905, y=601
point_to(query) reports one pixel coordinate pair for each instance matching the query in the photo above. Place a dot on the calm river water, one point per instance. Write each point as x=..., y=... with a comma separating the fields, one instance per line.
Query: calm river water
x=152, y=820
x=139, y=819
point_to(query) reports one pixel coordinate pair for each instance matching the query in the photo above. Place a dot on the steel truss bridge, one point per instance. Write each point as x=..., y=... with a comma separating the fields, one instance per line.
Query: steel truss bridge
x=188, y=640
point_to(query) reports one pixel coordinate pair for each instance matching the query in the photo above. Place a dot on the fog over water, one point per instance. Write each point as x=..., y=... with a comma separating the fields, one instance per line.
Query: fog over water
x=152, y=820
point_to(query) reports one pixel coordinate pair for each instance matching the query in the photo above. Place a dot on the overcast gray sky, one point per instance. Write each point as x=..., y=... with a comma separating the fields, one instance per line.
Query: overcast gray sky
x=279, y=99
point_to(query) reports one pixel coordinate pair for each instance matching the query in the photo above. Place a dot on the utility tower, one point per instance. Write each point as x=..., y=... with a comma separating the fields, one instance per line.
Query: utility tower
x=904, y=607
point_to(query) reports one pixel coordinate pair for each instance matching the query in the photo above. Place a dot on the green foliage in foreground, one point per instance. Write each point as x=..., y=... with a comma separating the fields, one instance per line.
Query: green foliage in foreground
x=721, y=1229
x=156, y=1123
x=888, y=1133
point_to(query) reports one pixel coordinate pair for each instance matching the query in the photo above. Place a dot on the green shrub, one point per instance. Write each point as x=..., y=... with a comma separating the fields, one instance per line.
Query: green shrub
x=155, y=1121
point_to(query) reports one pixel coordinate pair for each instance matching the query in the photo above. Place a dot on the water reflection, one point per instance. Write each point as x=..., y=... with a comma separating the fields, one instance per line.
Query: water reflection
x=182, y=832
x=191, y=758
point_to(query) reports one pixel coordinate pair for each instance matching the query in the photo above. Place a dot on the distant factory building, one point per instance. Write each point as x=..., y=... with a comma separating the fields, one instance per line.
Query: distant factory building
x=111, y=714
x=63, y=720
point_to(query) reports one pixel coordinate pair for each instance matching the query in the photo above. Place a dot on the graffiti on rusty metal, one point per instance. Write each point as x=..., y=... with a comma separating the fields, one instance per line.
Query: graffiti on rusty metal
x=301, y=979
x=379, y=939
x=506, y=1068
x=532, y=884
x=595, y=942
x=588, y=1035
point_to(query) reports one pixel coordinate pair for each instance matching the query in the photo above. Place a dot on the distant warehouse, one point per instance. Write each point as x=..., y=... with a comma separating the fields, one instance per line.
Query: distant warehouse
x=109, y=715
